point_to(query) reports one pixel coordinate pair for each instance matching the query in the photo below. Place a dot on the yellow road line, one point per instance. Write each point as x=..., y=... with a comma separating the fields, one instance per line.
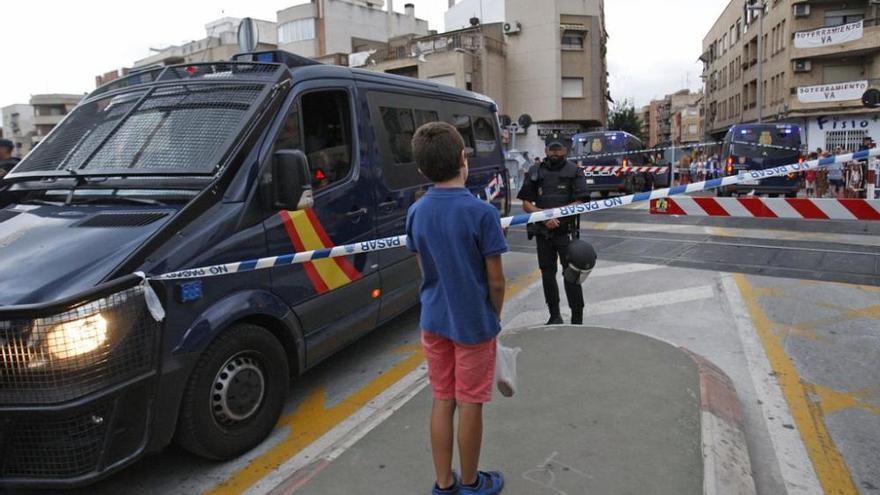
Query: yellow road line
x=312, y=419
x=828, y=463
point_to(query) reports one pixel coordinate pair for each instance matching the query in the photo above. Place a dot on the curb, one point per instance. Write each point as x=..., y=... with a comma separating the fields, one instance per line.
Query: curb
x=726, y=465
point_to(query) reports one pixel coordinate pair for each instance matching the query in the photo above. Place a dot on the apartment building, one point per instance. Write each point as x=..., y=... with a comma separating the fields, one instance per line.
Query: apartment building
x=675, y=118
x=322, y=28
x=220, y=43
x=473, y=59
x=818, y=57
x=18, y=127
x=548, y=64
x=49, y=110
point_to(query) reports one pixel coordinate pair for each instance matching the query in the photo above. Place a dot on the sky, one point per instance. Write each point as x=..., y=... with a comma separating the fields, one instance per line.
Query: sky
x=59, y=46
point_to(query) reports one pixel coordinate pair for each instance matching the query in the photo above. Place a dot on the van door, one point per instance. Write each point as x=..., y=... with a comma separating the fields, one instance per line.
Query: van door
x=394, y=118
x=333, y=298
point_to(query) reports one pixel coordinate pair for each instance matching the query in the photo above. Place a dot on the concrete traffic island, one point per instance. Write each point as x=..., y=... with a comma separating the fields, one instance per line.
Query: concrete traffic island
x=597, y=411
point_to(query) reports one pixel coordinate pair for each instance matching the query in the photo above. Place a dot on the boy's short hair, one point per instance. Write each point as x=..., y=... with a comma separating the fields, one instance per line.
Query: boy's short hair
x=437, y=148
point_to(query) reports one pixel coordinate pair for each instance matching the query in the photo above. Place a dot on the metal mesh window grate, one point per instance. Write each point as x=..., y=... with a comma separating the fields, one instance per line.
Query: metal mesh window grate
x=49, y=360
x=83, y=130
x=184, y=127
x=58, y=448
x=219, y=70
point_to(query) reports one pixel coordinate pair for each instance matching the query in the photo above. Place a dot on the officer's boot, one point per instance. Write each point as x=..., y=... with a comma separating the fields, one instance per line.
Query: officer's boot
x=555, y=316
x=577, y=316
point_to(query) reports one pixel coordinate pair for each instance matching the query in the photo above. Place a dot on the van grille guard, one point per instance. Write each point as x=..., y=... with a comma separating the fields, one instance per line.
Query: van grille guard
x=51, y=353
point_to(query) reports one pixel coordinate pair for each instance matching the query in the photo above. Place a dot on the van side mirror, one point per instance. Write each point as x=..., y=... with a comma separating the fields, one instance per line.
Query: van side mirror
x=291, y=180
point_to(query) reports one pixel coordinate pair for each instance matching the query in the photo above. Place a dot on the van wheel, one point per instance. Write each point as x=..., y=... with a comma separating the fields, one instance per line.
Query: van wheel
x=605, y=194
x=235, y=394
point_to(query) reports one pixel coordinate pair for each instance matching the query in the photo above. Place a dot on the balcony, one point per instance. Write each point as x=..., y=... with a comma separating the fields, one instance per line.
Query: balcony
x=868, y=43
x=468, y=41
x=47, y=119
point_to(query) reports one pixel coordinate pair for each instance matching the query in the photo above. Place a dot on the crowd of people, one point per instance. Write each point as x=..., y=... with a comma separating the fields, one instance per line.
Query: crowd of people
x=699, y=166
x=840, y=180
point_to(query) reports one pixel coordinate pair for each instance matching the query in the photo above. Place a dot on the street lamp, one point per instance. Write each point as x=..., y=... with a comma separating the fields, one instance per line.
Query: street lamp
x=753, y=6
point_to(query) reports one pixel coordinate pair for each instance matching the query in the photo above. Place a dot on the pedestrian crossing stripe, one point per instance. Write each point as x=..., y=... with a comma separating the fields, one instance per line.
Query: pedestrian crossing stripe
x=307, y=234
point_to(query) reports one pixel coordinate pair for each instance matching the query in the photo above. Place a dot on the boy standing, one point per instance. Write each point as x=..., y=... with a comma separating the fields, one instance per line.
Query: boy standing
x=459, y=242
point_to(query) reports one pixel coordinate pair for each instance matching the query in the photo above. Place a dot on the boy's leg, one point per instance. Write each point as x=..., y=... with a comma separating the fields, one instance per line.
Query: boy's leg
x=442, y=416
x=470, y=439
x=440, y=355
x=474, y=377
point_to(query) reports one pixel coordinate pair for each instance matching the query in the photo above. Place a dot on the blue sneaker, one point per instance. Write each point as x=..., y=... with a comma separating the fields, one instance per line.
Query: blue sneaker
x=452, y=490
x=488, y=483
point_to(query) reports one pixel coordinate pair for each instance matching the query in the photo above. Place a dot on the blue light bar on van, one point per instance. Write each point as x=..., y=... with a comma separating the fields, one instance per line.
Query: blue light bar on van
x=267, y=57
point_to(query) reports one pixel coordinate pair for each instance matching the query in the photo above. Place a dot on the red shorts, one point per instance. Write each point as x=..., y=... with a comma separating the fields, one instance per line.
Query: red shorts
x=460, y=371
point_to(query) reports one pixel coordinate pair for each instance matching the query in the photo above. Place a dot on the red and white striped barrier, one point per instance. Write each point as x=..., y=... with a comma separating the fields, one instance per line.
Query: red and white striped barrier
x=619, y=168
x=802, y=208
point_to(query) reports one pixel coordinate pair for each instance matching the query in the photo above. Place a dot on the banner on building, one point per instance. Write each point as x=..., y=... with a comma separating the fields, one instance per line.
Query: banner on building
x=829, y=36
x=824, y=93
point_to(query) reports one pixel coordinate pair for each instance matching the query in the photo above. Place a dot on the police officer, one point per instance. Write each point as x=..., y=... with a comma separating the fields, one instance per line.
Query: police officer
x=553, y=183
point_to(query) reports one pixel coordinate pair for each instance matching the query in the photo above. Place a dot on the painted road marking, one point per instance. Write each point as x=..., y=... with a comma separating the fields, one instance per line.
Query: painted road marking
x=791, y=455
x=828, y=464
x=623, y=269
x=314, y=423
x=595, y=308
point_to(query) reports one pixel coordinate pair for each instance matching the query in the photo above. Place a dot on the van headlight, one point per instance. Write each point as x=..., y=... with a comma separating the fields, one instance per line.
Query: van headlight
x=76, y=337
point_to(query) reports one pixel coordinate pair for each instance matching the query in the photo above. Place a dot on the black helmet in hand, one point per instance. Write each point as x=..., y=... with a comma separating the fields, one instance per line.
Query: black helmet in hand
x=581, y=260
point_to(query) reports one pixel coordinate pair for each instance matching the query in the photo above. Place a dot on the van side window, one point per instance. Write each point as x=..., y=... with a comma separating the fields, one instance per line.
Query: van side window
x=400, y=125
x=319, y=124
x=463, y=124
x=484, y=135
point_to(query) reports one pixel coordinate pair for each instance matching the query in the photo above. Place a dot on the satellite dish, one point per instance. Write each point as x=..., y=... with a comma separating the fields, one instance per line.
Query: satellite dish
x=248, y=38
x=871, y=98
x=525, y=121
x=505, y=120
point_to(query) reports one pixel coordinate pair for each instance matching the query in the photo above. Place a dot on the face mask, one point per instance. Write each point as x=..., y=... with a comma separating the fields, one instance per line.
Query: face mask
x=556, y=160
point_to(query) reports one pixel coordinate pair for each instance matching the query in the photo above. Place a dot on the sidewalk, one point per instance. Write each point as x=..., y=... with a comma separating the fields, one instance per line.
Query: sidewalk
x=597, y=411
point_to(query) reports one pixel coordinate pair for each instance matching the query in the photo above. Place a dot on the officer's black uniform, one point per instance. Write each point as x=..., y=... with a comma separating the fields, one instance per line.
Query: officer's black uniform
x=551, y=185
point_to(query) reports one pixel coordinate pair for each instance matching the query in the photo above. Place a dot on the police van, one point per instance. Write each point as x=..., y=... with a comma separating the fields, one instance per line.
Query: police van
x=196, y=165
x=749, y=147
x=606, y=158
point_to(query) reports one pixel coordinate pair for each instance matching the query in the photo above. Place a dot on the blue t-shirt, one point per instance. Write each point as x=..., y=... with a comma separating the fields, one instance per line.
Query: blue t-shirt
x=453, y=232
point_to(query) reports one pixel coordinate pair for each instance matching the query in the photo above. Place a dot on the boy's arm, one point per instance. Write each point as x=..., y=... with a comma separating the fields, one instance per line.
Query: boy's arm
x=495, y=275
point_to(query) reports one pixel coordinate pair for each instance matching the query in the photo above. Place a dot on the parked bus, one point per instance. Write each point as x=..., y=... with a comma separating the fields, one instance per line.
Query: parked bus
x=615, y=150
x=758, y=147
x=195, y=165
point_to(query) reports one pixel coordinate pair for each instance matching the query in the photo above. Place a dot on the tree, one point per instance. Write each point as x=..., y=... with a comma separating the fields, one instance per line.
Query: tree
x=623, y=117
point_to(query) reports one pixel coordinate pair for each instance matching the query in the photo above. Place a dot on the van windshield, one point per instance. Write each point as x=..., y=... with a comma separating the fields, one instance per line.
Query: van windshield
x=187, y=128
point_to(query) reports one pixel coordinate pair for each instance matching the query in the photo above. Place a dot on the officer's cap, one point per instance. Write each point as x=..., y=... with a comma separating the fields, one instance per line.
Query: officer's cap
x=5, y=143
x=555, y=139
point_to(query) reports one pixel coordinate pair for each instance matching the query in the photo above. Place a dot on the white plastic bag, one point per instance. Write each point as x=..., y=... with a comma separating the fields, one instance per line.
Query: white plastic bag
x=505, y=369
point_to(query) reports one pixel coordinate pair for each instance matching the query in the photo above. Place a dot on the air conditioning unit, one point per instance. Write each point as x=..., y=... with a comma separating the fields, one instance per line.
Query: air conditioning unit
x=801, y=10
x=512, y=27
x=803, y=66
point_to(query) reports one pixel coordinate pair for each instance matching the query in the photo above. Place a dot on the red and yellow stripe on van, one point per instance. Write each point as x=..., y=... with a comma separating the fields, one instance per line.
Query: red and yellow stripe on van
x=306, y=233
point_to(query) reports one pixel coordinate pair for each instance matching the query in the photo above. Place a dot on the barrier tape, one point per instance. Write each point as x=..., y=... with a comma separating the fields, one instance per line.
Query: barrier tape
x=681, y=147
x=614, y=169
x=526, y=218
